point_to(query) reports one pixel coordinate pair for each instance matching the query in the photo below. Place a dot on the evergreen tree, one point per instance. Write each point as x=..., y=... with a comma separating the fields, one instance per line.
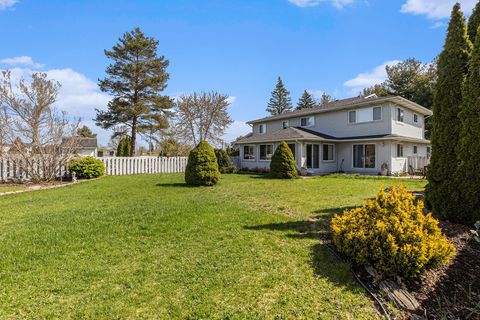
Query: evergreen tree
x=86, y=132
x=283, y=164
x=123, y=148
x=474, y=23
x=441, y=191
x=468, y=174
x=202, y=166
x=280, y=101
x=326, y=98
x=135, y=79
x=306, y=101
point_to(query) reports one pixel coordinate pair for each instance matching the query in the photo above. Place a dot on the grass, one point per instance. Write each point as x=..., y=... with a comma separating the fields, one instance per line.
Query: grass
x=147, y=246
x=9, y=188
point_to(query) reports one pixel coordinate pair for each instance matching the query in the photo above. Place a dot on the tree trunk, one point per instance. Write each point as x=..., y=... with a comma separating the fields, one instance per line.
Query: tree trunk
x=134, y=137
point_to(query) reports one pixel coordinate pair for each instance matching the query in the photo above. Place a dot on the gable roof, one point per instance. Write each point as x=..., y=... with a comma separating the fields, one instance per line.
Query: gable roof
x=83, y=142
x=346, y=104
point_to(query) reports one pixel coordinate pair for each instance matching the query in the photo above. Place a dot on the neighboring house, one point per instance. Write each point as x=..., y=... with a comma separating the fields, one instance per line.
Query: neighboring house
x=369, y=135
x=86, y=146
x=106, y=152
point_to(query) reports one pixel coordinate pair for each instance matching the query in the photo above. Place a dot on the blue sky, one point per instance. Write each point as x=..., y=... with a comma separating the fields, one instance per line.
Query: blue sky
x=234, y=47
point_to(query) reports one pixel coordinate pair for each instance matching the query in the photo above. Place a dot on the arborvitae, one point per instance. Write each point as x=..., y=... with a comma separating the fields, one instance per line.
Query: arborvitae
x=441, y=190
x=306, y=101
x=283, y=165
x=280, y=100
x=225, y=164
x=474, y=23
x=468, y=174
x=123, y=148
x=202, y=166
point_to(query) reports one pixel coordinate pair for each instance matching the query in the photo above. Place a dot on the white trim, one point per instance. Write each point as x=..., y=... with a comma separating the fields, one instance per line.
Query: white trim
x=288, y=124
x=243, y=152
x=310, y=123
x=264, y=126
x=353, y=157
x=333, y=152
x=403, y=115
x=396, y=151
x=259, y=153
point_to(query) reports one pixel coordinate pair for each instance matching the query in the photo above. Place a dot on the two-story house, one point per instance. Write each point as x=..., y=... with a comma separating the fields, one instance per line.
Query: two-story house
x=368, y=135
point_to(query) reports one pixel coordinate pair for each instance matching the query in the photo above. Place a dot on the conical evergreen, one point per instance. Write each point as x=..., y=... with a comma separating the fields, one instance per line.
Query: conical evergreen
x=306, y=101
x=441, y=190
x=474, y=23
x=123, y=148
x=283, y=165
x=280, y=101
x=202, y=166
x=468, y=174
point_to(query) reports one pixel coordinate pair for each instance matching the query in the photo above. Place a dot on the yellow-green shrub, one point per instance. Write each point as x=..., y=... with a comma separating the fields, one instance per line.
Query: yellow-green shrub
x=392, y=234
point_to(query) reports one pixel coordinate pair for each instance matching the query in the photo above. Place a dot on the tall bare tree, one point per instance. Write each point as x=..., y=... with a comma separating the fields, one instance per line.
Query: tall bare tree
x=202, y=116
x=36, y=130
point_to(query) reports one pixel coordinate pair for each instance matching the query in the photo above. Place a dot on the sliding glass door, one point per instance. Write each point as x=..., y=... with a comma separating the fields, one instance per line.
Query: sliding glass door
x=364, y=156
x=313, y=156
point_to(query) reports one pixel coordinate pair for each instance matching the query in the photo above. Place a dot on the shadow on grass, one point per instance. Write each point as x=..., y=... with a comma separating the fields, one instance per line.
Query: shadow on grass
x=323, y=262
x=332, y=211
x=174, y=185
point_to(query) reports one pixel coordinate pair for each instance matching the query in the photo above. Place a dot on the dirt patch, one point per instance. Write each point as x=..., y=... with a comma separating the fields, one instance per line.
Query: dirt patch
x=452, y=291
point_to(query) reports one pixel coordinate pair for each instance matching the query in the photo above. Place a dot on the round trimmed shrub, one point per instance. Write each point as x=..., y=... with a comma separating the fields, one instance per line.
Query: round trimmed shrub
x=202, y=166
x=225, y=164
x=86, y=167
x=283, y=165
x=391, y=234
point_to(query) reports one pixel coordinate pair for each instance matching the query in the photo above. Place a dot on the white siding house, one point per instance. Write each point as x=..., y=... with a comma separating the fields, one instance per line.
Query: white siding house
x=368, y=135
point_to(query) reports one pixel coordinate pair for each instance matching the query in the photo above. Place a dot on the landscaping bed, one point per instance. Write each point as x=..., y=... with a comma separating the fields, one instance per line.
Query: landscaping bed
x=452, y=291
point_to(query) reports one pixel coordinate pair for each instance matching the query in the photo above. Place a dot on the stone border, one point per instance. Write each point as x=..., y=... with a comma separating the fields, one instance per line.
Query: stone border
x=49, y=187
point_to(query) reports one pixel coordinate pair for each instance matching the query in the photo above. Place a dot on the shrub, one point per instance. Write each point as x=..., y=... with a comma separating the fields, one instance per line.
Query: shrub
x=225, y=164
x=202, y=166
x=123, y=148
x=392, y=234
x=283, y=165
x=86, y=167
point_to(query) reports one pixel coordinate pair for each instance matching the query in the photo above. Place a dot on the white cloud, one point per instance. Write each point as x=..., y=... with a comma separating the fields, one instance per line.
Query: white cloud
x=5, y=4
x=367, y=79
x=436, y=9
x=235, y=130
x=25, y=61
x=313, y=3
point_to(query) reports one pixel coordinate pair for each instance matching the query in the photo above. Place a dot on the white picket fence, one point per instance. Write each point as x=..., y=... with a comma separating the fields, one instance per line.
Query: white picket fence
x=10, y=169
x=138, y=165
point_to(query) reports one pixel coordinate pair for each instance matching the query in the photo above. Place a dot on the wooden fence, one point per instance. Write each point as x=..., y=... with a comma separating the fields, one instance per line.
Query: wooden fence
x=11, y=169
x=137, y=165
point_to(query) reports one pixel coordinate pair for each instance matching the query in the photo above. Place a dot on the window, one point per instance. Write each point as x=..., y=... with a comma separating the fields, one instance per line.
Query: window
x=285, y=124
x=313, y=156
x=262, y=128
x=400, y=114
x=266, y=151
x=365, y=115
x=328, y=152
x=248, y=153
x=377, y=113
x=415, y=150
x=415, y=118
x=364, y=156
x=352, y=117
x=399, y=150
x=307, y=122
x=429, y=151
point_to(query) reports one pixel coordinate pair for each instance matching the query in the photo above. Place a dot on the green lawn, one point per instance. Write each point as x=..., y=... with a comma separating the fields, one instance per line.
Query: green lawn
x=147, y=246
x=10, y=188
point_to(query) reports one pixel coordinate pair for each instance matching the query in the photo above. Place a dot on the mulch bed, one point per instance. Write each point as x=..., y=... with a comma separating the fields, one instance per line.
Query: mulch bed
x=452, y=291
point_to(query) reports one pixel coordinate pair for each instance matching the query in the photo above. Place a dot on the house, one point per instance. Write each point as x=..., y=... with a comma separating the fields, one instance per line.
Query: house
x=368, y=135
x=84, y=146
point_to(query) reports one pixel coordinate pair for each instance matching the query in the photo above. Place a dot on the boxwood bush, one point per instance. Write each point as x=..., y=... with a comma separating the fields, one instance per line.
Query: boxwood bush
x=391, y=234
x=283, y=165
x=225, y=164
x=86, y=167
x=202, y=166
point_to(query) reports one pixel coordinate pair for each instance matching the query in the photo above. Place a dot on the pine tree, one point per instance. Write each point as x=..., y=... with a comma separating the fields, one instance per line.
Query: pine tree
x=474, y=23
x=135, y=79
x=306, y=101
x=86, y=132
x=441, y=191
x=283, y=164
x=468, y=174
x=325, y=98
x=280, y=101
